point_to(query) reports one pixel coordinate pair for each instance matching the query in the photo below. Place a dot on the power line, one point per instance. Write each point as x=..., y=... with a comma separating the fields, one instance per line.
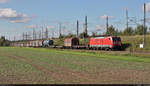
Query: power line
x=14, y=38
x=34, y=34
x=144, y=29
x=42, y=33
x=46, y=33
x=107, y=24
x=127, y=18
x=60, y=30
x=52, y=34
x=23, y=36
x=77, y=28
x=86, y=31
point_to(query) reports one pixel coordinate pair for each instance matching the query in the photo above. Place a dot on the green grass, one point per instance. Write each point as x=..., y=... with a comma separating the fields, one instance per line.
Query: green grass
x=135, y=41
x=62, y=57
x=125, y=57
x=57, y=60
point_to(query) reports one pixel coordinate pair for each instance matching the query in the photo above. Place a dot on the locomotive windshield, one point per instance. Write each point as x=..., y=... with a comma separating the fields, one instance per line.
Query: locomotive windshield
x=116, y=39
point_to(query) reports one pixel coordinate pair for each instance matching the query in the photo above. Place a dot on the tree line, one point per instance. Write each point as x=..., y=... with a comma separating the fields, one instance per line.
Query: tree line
x=112, y=31
x=4, y=42
x=139, y=30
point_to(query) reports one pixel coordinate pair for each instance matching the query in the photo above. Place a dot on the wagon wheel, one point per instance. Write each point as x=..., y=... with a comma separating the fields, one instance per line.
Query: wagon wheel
x=106, y=49
x=110, y=49
x=89, y=48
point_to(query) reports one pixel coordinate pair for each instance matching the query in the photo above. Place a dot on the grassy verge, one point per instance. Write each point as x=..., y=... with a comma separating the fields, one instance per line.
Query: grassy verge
x=126, y=57
x=106, y=55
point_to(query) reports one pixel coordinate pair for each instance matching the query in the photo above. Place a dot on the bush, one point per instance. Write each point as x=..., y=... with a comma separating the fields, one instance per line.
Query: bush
x=4, y=42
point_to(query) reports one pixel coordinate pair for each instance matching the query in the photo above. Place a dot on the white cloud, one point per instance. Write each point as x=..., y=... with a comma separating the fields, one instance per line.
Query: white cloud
x=32, y=26
x=12, y=16
x=147, y=7
x=105, y=16
x=3, y=1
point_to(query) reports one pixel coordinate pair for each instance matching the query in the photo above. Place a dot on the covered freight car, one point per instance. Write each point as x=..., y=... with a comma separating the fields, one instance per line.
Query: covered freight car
x=35, y=43
x=70, y=42
x=106, y=43
x=40, y=43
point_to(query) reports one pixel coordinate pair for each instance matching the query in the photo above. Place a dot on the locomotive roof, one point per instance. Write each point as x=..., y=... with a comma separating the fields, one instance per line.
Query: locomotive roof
x=103, y=37
x=99, y=37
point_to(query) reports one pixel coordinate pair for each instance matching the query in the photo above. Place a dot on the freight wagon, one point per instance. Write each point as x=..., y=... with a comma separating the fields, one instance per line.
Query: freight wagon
x=71, y=42
x=29, y=43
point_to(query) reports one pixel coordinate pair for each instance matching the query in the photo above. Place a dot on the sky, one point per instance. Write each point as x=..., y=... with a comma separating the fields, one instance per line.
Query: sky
x=18, y=16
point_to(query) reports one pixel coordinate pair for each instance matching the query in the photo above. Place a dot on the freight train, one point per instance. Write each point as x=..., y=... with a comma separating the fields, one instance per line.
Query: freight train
x=33, y=43
x=96, y=43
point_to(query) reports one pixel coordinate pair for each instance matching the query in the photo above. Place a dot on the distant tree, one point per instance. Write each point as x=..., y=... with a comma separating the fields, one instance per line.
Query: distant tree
x=4, y=42
x=119, y=32
x=71, y=35
x=139, y=29
x=62, y=36
x=129, y=31
x=83, y=35
x=111, y=31
x=94, y=34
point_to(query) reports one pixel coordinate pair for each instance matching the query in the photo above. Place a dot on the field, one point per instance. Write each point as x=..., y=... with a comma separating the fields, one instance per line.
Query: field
x=50, y=66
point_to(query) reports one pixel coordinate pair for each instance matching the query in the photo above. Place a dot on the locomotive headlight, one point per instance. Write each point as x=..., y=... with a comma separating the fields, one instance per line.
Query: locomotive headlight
x=111, y=46
x=119, y=43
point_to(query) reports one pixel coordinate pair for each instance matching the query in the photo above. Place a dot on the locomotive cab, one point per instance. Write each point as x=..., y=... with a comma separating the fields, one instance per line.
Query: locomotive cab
x=116, y=42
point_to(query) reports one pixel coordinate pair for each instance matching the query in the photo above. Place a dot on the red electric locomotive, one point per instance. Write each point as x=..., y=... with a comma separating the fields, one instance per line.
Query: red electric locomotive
x=107, y=43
